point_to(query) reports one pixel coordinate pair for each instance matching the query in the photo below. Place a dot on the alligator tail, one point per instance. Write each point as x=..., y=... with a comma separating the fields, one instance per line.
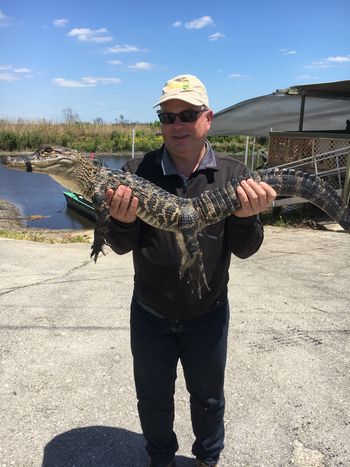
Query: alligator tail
x=213, y=206
x=288, y=182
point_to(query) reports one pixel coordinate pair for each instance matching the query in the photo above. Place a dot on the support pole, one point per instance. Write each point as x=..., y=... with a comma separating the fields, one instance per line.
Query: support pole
x=133, y=144
x=253, y=154
x=246, y=151
x=302, y=109
x=346, y=189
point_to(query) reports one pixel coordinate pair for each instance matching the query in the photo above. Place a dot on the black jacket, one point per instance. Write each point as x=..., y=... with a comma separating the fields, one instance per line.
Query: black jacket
x=156, y=257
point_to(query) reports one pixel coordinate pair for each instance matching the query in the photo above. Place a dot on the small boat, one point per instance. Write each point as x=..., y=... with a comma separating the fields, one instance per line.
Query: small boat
x=79, y=204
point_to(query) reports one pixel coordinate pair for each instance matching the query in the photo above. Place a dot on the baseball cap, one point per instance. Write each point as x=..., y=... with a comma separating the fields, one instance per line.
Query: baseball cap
x=186, y=88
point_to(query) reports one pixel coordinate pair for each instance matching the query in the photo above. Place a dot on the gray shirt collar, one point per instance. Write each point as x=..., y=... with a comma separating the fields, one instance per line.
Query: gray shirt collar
x=208, y=161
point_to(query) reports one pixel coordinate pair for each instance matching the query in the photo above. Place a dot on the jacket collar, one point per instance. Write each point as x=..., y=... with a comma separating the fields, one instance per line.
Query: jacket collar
x=208, y=161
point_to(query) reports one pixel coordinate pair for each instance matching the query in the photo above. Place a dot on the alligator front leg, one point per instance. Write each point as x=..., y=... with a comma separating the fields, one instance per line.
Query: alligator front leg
x=102, y=225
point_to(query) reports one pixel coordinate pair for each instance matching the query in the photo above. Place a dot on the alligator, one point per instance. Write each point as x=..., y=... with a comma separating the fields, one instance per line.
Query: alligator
x=186, y=217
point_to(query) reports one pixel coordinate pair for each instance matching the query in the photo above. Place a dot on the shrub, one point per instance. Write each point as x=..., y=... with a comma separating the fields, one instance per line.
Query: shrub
x=8, y=141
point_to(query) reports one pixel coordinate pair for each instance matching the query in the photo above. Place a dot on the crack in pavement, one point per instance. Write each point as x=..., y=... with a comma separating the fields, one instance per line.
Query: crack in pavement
x=46, y=281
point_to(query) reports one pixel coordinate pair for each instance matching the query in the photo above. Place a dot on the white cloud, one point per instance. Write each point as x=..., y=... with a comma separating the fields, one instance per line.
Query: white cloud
x=6, y=76
x=177, y=24
x=96, y=81
x=216, y=36
x=288, y=52
x=70, y=83
x=90, y=35
x=114, y=62
x=60, y=23
x=126, y=48
x=86, y=82
x=307, y=78
x=22, y=70
x=3, y=19
x=10, y=73
x=329, y=62
x=237, y=75
x=199, y=22
x=141, y=66
x=339, y=59
x=318, y=64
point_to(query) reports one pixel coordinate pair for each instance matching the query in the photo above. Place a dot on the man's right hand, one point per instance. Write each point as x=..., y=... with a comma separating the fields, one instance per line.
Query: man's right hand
x=122, y=206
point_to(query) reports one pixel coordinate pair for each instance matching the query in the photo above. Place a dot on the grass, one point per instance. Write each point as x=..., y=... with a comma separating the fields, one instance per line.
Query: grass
x=269, y=218
x=29, y=135
x=24, y=135
x=303, y=215
x=44, y=237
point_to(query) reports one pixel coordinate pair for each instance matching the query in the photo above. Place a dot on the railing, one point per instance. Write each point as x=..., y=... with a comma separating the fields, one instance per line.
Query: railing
x=336, y=160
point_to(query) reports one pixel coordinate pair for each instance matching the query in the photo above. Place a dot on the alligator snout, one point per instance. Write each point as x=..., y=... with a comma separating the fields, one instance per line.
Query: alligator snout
x=17, y=163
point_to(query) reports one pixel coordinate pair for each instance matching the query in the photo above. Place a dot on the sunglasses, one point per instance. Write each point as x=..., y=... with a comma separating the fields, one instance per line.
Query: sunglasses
x=186, y=116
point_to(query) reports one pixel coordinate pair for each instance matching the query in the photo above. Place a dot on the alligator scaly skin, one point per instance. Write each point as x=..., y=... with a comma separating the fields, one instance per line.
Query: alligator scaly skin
x=186, y=217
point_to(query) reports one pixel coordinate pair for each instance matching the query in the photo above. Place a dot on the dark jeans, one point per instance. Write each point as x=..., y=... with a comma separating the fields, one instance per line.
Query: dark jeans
x=157, y=344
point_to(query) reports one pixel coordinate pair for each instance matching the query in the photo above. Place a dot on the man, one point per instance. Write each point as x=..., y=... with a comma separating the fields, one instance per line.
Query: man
x=168, y=322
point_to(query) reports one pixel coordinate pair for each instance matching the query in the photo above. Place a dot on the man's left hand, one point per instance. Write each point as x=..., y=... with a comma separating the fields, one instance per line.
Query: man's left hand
x=255, y=197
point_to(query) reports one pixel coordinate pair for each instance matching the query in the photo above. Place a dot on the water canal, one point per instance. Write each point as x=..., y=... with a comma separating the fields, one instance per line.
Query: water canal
x=38, y=194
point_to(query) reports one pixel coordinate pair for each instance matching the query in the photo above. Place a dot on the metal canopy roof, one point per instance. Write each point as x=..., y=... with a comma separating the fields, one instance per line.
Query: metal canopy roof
x=332, y=90
x=309, y=107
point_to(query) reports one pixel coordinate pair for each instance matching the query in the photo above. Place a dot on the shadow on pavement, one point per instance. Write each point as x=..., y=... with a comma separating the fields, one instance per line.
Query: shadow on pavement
x=99, y=446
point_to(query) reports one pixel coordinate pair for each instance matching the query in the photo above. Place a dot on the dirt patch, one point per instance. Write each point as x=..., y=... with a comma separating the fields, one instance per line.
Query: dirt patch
x=12, y=221
x=10, y=216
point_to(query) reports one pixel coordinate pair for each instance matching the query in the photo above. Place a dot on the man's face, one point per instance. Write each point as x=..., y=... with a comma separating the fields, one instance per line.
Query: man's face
x=181, y=138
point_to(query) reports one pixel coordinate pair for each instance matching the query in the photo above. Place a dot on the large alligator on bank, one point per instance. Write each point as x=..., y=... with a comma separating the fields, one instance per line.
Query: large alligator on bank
x=183, y=216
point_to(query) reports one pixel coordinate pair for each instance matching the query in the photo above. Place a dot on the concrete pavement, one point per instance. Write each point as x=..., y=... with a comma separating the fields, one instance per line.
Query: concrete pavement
x=67, y=394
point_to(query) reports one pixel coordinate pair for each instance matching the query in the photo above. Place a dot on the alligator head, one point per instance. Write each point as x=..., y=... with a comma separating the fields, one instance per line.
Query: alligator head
x=46, y=159
x=69, y=168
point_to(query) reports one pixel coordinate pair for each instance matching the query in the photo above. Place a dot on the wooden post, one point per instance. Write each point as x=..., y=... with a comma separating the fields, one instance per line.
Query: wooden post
x=346, y=190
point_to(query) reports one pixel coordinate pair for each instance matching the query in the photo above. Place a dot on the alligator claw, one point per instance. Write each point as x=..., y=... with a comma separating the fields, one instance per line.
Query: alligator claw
x=96, y=250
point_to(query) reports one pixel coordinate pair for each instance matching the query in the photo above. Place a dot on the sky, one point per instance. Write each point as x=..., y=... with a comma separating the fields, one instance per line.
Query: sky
x=105, y=59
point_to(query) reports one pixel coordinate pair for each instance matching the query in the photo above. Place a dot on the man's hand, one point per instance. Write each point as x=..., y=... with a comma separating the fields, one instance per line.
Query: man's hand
x=122, y=206
x=255, y=197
